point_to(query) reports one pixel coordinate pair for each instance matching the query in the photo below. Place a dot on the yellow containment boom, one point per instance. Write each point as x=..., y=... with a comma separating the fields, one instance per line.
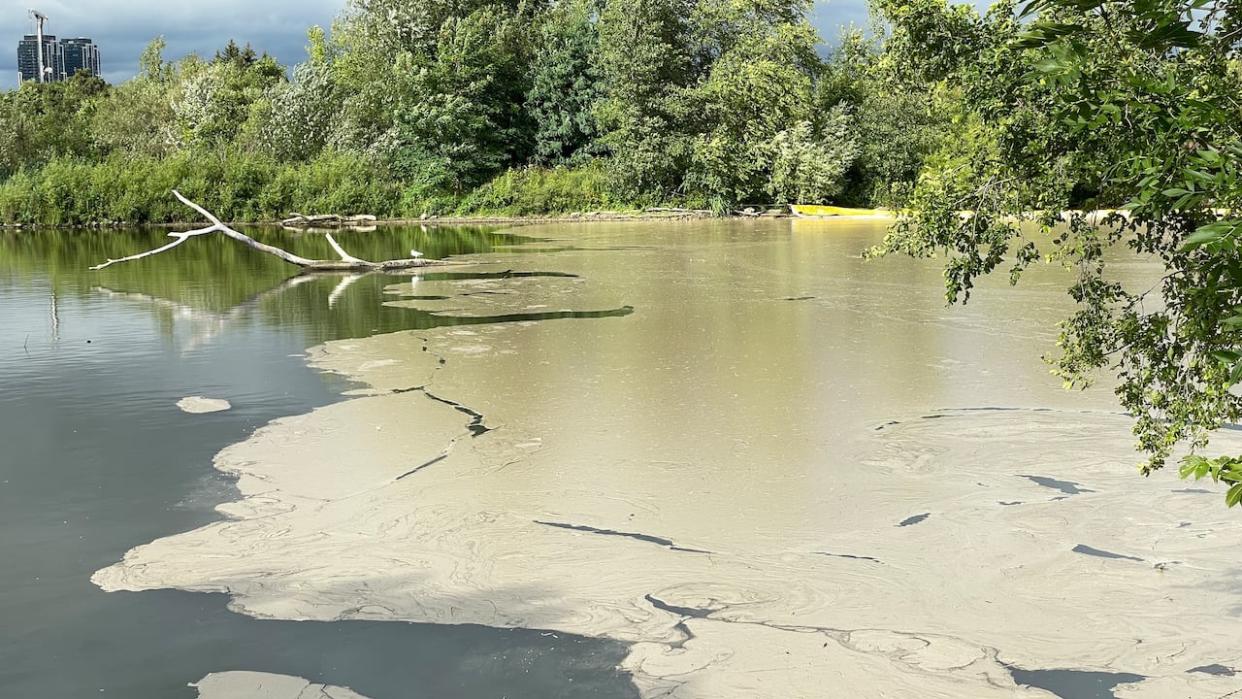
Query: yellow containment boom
x=815, y=211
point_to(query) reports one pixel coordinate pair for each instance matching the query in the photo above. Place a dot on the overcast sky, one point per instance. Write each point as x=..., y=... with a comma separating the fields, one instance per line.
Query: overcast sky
x=122, y=28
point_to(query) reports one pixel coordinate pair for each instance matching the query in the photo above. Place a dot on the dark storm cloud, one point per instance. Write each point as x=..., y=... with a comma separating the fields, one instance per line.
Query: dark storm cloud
x=123, y=27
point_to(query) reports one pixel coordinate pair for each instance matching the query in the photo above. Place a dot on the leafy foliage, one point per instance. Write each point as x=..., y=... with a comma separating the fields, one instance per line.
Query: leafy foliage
x=810, y=164
x=565, y=85
x=1071, y=103
x=458, y=119
x=41, y=122
x=493, y=105
x=238, y=187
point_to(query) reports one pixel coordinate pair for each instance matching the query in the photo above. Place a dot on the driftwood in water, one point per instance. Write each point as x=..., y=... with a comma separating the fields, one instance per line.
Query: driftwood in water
x=347, y=263
x=678, y=210
x=297, y=220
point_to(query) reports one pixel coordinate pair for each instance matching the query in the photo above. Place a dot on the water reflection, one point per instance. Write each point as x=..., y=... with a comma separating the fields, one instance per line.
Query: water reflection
x=753, y=354
x=97, y=459
x=213, y=282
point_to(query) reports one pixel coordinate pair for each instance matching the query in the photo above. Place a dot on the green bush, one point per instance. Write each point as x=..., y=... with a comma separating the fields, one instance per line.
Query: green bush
x=536, y=191
x=236, y=187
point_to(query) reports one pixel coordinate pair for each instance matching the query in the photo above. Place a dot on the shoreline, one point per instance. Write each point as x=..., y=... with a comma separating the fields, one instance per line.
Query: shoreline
x=1094, y=216
x=484, y=220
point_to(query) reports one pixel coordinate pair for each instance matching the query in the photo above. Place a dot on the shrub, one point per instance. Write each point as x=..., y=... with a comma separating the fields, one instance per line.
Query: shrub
x=235, y=186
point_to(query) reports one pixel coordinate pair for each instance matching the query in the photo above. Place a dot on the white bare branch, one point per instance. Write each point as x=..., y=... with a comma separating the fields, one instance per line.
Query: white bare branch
x=347, y=263
x=205, y=213
x=339, y=250
x=180, y=238
x=341, y=288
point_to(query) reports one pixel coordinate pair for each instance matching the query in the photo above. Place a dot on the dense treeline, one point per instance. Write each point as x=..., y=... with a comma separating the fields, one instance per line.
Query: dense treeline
x=466, y=106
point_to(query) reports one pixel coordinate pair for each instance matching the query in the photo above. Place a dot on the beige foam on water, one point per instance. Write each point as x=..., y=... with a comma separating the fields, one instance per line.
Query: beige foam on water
x=262, y=685
x=197, y=405
x=720, y=476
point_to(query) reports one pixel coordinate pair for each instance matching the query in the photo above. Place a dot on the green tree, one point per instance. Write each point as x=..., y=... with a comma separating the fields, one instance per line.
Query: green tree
x=488, y=104
x=565, y=84
x=458, y=115
x=151, y=63
x=401, y=25
x=241, y=57
x=900, y=118
x=136, y=118
x=39, y=122
x=214, y=100
x=644, y=60
x=1099, y=102
x=809, y=163
x=763, y=137
x=295, y=121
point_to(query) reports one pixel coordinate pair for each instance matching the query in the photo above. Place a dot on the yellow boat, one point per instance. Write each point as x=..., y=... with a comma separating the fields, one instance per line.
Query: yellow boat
x=816, y=211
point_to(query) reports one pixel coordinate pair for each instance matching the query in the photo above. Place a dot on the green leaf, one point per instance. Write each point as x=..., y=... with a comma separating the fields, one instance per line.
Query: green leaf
x=1044, y=34
x=1050, y=65
x=1234, y=496
x=1227, y=356
x=1210, y=233
x=1200, y=175
x=1211, y=156
x=1189, y=464
x=1200, y=238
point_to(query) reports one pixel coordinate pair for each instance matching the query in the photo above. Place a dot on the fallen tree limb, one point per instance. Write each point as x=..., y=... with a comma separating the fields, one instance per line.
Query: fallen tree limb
x=347, y=263
x=297, y=220
x=677, y=210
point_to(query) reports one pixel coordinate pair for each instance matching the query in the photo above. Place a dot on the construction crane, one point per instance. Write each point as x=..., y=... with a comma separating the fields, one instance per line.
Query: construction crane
x=40, y=19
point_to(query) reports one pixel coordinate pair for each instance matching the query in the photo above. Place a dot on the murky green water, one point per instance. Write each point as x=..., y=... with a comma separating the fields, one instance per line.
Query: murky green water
x=95, y=458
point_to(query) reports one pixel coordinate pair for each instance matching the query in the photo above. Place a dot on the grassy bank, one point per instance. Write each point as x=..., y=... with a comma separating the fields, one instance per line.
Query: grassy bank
x=250, y=189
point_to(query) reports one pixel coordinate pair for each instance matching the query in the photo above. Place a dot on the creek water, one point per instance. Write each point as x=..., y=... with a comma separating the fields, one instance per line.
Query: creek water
x=658, y=434
x=95, y=458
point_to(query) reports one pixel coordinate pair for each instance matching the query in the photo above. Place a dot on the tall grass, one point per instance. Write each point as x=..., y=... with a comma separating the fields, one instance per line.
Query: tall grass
x=249, y=187
x=235, y=187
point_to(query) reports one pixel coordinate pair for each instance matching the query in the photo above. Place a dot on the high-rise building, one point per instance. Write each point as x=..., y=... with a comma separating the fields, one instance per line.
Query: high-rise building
x=81, y=55
x=28, y=58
